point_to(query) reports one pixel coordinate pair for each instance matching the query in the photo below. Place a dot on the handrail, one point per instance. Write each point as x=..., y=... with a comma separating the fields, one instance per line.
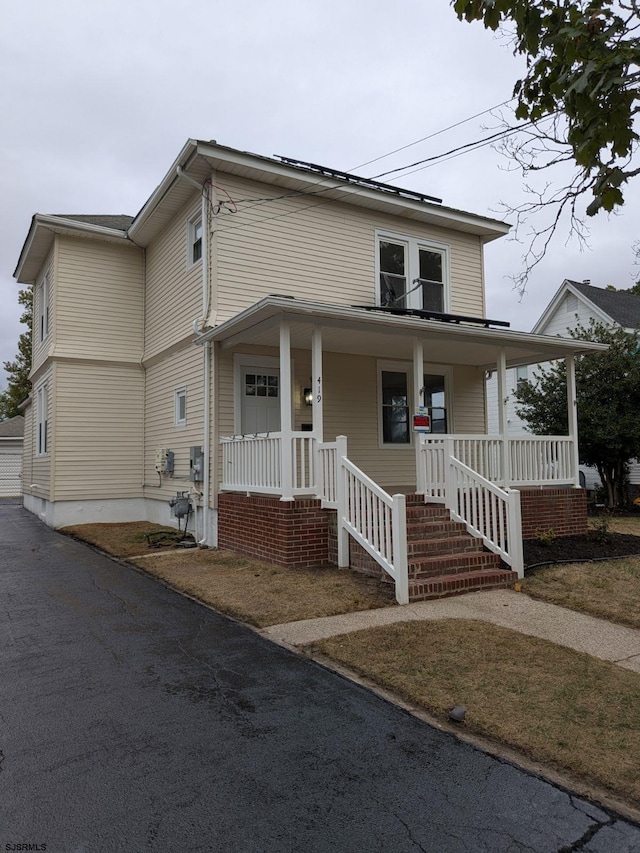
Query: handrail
x=488, y=511
x=375, y=519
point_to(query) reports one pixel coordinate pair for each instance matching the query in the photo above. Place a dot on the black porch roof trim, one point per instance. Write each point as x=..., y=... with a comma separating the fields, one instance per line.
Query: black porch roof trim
x=435, y=315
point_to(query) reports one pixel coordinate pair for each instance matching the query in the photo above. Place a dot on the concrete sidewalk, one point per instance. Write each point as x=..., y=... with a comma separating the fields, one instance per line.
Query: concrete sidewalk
x=515, y=610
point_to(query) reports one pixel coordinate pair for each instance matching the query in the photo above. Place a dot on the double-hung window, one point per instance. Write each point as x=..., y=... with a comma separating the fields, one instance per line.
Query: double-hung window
x=43, y=307
x=42, y=428
x=194, y=240
x=412, y=273
x=397, y=403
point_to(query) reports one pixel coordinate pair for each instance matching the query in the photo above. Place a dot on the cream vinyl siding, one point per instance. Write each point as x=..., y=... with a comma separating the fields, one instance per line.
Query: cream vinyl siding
x=98, y=431
x=42, y=349
x=325, y=251
x=42, y=474
x=173, y=291
x=181, y=369
x=28, y=449
x=99, y=300
x=351, y=408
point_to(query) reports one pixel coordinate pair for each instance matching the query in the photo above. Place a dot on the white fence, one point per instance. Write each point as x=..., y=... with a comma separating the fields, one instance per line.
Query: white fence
x=258, y=463
x=531, y=461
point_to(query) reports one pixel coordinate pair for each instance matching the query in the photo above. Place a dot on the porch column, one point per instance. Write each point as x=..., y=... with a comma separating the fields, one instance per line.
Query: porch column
x=502, y=416
x=418, y=400
x=572, y=411
x=316, y=384
x=286, y=427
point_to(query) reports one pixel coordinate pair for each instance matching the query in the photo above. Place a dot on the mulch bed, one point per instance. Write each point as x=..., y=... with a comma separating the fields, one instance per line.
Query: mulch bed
x=577, y=549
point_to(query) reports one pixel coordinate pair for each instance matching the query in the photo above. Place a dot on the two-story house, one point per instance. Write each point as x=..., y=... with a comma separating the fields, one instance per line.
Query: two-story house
x=294, y=351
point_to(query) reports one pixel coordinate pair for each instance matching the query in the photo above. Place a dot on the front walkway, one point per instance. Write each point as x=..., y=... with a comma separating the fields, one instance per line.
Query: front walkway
x=596, y=637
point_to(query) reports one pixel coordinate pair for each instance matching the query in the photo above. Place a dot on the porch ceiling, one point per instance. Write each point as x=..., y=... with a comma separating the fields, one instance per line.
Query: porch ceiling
x=355, y=331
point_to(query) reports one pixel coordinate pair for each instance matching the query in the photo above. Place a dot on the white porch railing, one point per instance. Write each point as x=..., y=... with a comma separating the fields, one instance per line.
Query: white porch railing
x=254, y=463
x=487, y=511
x=528, y=460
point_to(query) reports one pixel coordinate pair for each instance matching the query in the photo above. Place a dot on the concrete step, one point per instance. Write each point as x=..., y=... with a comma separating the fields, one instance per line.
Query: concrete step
x=457, y=584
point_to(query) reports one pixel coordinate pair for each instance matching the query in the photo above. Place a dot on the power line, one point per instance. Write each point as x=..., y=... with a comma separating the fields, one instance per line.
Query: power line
x=432, y=135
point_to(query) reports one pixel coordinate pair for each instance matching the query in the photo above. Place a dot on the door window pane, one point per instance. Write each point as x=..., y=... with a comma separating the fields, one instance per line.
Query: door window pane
x=434, y=399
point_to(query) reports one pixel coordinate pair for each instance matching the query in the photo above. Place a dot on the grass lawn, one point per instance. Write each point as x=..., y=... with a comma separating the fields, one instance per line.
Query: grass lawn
x=619, y=523
x=255, y=592
x=609, y=589
x=558, y=706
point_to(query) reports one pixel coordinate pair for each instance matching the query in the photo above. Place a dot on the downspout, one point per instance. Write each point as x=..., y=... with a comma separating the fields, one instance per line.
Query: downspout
x=198, y=326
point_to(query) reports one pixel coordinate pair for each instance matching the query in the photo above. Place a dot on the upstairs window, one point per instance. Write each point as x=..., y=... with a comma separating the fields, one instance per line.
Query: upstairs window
x=412, y=274
x=194, y=240
x=43, y=308
x=393, y=278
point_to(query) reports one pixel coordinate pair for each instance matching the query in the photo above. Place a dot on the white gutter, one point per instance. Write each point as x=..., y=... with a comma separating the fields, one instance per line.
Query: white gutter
x=198, y=325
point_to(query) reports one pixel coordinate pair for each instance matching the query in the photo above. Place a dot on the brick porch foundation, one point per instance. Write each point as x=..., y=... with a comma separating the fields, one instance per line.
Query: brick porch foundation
x=562, y=511
x=287, y=533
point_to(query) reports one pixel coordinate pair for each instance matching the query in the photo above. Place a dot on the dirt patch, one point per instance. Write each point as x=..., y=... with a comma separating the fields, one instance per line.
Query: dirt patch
x=263, y=594
x=255, y=592
x=529, y=693
x=127, y=539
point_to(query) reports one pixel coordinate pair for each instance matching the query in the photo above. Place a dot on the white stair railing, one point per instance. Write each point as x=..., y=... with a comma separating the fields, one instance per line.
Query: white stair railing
x=375, y=519
x=488, y=511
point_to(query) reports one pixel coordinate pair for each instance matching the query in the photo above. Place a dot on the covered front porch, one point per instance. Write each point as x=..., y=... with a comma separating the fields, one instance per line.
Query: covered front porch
x=354, y=448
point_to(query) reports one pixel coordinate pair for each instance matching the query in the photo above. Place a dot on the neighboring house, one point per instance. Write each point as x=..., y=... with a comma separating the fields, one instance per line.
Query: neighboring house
x=213, y=349
x=576, y=303
x=11, y=433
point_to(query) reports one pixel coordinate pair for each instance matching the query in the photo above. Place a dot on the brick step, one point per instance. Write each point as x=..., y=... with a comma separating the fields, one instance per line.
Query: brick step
x=427, y=511
x=451, y=564
x=433, y=546
x=457, y=584
x=434, y=529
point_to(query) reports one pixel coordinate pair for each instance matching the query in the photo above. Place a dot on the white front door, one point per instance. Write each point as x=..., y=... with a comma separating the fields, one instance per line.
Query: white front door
x=260, y=399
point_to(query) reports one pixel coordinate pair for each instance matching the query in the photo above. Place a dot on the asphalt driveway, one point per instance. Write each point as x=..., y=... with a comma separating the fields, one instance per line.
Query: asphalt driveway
x=134, y=719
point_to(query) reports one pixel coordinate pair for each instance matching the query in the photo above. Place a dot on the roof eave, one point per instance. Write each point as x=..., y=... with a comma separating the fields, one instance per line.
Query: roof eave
x=40, y=238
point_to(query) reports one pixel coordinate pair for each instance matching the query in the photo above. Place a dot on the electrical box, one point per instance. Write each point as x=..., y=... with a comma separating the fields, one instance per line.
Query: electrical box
x=180, y=505
x=164, y=461
x=196, y=464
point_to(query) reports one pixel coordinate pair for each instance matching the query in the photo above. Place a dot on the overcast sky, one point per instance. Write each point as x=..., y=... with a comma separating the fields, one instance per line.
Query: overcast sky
x=98, y=97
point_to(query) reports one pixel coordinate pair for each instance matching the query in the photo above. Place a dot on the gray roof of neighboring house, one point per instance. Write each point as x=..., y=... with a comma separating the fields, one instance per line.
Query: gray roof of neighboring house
x=13, y=428
x=622, y=307
x=119, y=222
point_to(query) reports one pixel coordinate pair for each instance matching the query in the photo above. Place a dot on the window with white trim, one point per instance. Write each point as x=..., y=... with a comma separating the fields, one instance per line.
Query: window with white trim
x=43, y=308
x=522, y=375
x=412, y=273
x=180, y=407
x=42, y=426
x=194, y=240
x=394, y=406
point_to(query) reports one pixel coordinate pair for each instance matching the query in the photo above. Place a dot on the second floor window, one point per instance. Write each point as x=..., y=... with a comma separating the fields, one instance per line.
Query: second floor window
x=181, y=406
x=42, y=295
x=194, y=240
x=412, y=274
